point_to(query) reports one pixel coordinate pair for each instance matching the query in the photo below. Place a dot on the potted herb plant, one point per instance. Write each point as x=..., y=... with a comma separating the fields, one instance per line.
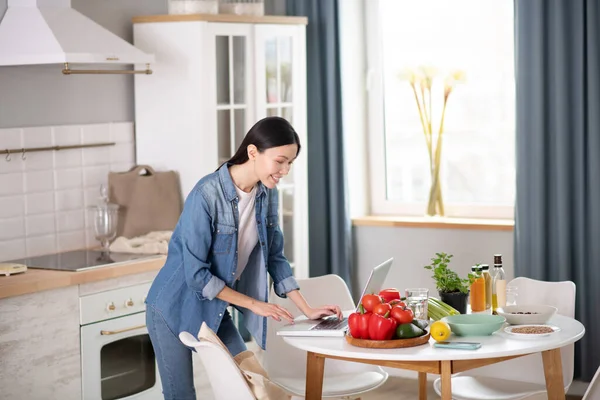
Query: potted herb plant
x=453, y=290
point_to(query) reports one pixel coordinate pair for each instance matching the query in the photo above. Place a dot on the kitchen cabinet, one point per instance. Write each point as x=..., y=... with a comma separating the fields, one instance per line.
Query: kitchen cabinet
x=214, y=77
x=40, y=335
x=39, y=345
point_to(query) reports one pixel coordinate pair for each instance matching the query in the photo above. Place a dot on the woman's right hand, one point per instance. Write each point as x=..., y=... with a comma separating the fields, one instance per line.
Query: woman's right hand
x=272, y=310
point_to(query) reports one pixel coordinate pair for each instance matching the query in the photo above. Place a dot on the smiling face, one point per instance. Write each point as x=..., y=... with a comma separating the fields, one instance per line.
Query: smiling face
x=272, y=164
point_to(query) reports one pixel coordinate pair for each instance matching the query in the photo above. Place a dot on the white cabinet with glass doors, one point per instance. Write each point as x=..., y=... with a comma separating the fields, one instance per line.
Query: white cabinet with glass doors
x=214, y=77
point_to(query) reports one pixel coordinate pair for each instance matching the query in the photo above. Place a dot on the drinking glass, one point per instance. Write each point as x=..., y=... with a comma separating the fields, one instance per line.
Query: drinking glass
x=511, y=295
x=416, y=300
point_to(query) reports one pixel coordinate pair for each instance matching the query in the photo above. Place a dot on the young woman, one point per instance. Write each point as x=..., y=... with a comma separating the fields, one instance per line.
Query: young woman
x=226, y=240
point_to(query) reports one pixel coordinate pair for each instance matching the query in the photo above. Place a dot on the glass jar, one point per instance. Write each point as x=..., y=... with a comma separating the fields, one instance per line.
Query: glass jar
x=105, y=217
x=477, y=289
x=511, y=295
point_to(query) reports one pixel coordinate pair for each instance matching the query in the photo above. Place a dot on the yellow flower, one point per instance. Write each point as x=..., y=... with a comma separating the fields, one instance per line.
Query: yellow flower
x=409, y=74
x=455, y=77
x=428, y=73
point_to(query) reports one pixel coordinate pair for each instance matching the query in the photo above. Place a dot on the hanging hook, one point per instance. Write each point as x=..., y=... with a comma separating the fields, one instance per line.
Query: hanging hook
x=8, y=155
x=23, y=157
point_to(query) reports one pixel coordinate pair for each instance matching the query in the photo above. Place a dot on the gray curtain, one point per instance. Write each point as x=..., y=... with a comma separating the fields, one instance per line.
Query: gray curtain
x=329, y=222
x=557, y=226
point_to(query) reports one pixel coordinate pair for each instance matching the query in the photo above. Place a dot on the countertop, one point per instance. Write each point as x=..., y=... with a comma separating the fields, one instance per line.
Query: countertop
x=37, y=280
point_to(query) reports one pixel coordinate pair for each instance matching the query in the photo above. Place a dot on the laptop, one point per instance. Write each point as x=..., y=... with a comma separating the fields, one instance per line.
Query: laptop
x=332, y=326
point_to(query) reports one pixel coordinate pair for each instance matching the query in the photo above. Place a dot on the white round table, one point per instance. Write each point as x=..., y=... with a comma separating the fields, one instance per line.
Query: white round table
x=425, y=359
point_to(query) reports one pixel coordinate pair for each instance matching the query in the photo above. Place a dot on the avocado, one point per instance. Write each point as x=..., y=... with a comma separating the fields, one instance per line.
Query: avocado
x=407, y=331
x=420, y=323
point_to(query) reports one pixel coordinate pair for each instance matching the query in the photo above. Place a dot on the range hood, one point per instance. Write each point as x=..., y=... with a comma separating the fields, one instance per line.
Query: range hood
x=51, y=32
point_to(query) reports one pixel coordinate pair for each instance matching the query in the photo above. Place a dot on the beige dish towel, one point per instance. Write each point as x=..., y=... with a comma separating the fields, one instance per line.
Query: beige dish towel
x=151, y=243
x=253, y=372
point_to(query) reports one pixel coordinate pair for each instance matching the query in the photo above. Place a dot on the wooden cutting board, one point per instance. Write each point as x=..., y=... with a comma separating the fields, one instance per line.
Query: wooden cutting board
x=389, y=344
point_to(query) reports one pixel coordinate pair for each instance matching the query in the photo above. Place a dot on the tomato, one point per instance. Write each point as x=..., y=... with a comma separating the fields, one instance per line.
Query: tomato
x=390, y=294
x=369, y=301
x=400, y=303
x=401, y=315
x=382, y=309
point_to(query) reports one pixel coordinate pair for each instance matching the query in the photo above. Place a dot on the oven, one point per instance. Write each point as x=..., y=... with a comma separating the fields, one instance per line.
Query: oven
x=117, y=358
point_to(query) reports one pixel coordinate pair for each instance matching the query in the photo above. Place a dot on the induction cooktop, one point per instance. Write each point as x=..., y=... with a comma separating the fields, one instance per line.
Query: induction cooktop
x=79, y=260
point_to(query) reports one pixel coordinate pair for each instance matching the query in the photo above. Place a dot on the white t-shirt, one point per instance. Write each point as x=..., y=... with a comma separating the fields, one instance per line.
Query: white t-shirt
x=247, y=231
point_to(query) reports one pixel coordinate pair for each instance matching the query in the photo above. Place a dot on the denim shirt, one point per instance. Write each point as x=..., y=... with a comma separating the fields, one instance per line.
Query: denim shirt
x=202, y=259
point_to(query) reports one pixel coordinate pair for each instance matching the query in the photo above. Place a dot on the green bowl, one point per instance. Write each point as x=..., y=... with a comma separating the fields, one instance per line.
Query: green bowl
x=474, y=324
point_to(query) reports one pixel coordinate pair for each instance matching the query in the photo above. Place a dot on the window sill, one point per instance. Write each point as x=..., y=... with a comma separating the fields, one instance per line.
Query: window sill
x=435, y=222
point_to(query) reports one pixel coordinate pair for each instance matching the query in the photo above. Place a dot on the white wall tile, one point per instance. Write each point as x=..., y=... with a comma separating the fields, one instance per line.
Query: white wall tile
x=90, y=238
x=121, y=167
x=99, y=133
x=10, y=162
x=96, y=156
x=39, y=203
x=12, y=228
x=41, y=224
x=69, y=200
x=91, y=196
x=11, y=184
x=121, y=132
x=43, y=198
x=67, y=135
x=40, y=136
x=68, y=179
x=68, y=158
x=12, y=249
x=12, y=206
x=39, y=245
x=121, y=153
x=71, y=221
x=71, y=241
x=39, y=181
x=42, y=160
x=93, y=177
x=10, y=139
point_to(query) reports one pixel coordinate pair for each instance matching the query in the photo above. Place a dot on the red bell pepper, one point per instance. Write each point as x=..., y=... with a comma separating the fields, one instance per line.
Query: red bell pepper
x=358, y=323
x=381, y=328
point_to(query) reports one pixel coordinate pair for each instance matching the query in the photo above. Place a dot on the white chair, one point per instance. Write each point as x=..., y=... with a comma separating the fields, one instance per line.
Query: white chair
x=521, y=377
x=286, y=365
x=224, y=375
x=593, y=390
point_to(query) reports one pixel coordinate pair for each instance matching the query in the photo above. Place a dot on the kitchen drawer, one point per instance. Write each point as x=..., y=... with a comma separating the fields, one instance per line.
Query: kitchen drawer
x=113, y=303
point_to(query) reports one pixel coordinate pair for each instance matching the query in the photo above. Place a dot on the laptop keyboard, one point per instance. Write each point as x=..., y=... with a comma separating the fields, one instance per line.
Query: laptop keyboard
x=330, y=324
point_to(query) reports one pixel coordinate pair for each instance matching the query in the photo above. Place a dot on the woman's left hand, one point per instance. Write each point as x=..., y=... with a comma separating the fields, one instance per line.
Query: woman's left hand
x=324, y=311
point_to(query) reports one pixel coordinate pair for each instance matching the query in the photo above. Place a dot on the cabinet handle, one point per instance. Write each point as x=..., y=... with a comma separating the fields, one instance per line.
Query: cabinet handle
x=111, y=306
x=129, y=303
x=122, y=330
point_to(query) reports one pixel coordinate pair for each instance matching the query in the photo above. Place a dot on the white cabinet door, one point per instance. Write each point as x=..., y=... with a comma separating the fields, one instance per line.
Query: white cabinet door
x=280, y=77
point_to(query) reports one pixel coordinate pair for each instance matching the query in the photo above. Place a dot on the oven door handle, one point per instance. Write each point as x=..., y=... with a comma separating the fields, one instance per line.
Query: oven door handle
x=122, y=330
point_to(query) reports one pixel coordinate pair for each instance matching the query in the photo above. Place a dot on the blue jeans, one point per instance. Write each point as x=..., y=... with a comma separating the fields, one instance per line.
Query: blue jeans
x=174, y=359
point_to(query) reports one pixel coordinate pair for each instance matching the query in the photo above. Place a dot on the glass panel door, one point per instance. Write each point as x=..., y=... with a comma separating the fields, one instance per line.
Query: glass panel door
x=232, y=92
x=280, y=71
x=127, y=367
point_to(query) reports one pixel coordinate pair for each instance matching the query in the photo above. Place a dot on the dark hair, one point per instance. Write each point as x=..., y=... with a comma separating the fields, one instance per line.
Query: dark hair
x=267, y=133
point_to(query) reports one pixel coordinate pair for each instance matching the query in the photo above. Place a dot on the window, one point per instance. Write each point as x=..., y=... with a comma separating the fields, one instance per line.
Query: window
x=478, y=164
